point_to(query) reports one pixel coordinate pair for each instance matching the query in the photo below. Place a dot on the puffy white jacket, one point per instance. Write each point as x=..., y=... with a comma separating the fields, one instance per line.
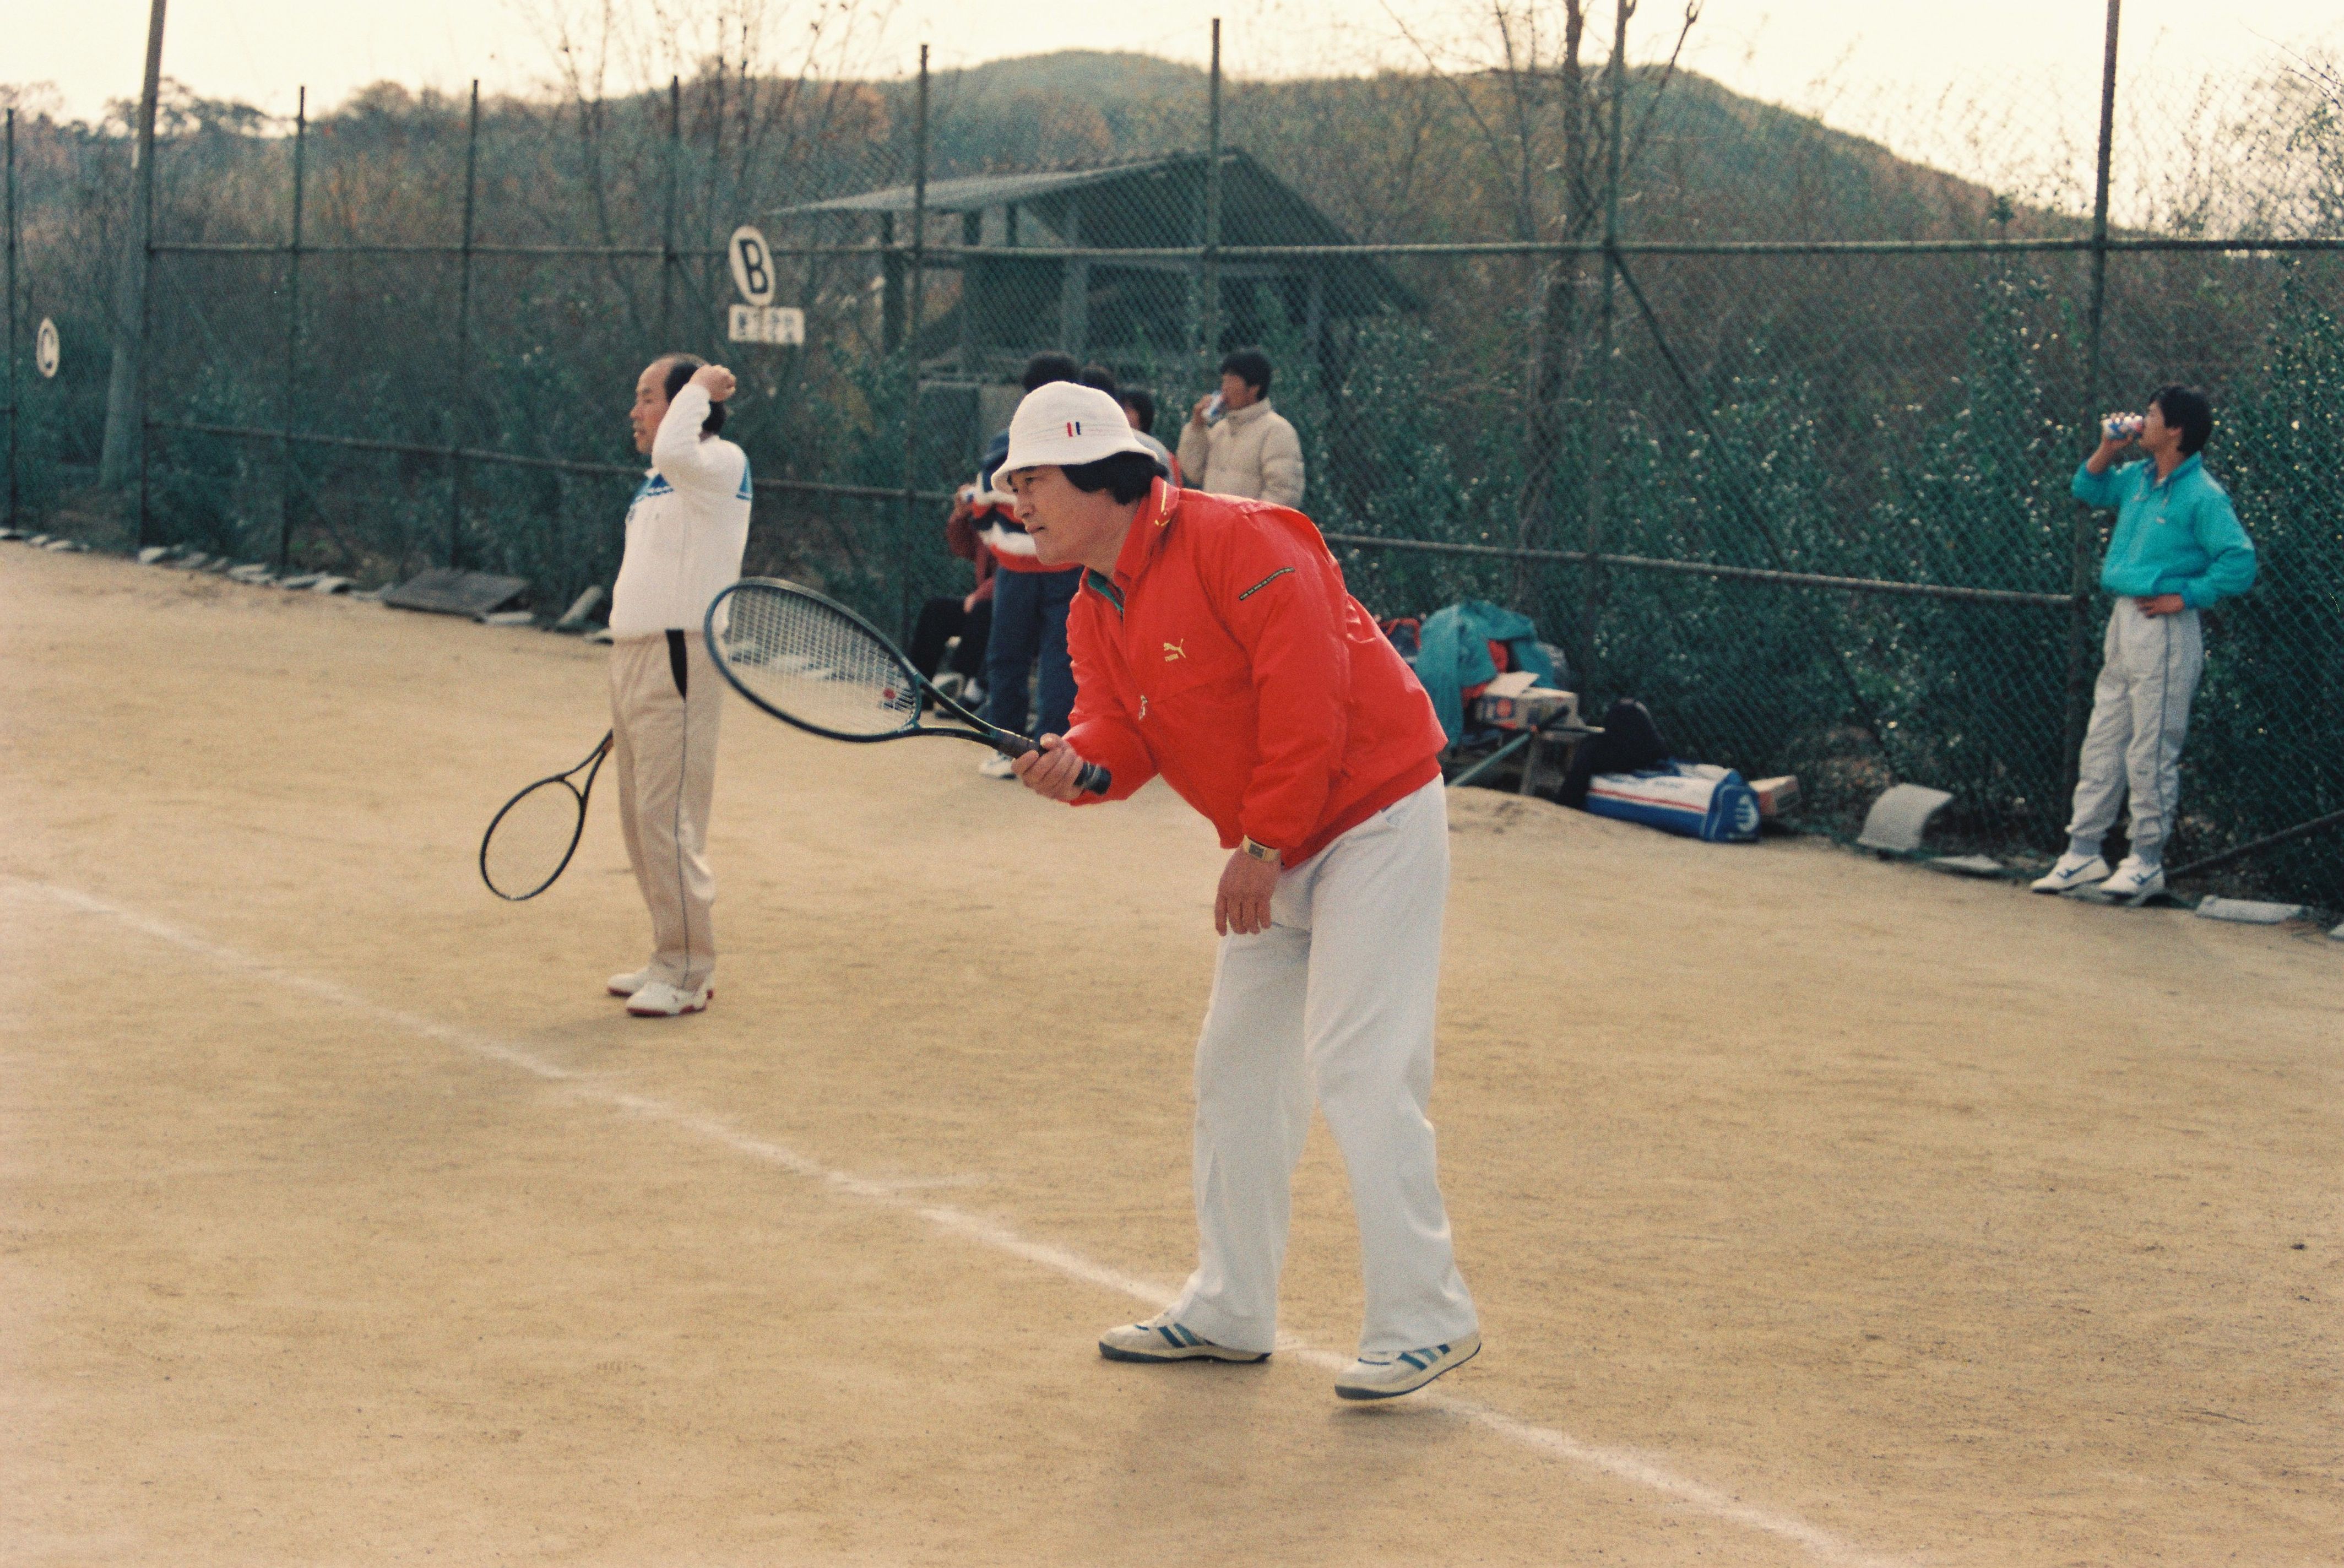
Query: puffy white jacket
x=1252, y=452
x=687, y=528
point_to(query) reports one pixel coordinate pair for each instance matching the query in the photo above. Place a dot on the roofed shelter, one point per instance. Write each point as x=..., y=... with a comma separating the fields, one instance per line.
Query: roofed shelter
x=1121, y=309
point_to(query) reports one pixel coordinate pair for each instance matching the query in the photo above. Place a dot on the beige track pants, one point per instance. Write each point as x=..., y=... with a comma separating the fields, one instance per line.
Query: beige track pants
x=666, y=701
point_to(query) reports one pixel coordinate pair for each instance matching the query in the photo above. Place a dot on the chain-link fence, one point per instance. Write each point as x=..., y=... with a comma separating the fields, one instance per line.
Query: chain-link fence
x=1764, y=422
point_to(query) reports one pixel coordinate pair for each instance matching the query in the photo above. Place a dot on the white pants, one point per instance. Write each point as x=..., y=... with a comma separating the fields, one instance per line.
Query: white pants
x=2140, y=712
x=1336, y=998
x=664, y=749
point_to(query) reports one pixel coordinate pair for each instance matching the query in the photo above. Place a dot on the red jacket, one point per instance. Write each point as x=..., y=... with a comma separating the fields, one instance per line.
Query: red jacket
x=1226, y=653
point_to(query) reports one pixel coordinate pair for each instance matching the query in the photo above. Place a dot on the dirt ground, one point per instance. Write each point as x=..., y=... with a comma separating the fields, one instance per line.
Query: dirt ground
x=1818, y=1209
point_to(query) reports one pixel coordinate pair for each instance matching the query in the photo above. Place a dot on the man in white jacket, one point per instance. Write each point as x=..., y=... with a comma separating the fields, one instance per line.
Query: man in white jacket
x=685, y=534
x=1248, y=448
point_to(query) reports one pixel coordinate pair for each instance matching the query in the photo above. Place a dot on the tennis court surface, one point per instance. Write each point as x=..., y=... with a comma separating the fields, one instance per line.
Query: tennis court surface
x=1819, y=1210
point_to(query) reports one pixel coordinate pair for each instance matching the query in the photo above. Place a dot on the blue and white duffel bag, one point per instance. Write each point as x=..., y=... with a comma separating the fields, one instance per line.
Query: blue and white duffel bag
x=1712, y=803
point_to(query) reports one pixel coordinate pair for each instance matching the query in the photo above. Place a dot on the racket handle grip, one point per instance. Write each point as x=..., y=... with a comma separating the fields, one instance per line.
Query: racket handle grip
x=1094, y=779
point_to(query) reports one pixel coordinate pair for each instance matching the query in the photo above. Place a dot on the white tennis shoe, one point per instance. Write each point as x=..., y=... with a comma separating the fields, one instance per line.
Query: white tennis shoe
x=2072, y=871
x=997, y=766
x=627, y=985
x=658, y=999
x=2133, y=878
x=1162, y=1339
x=1381, y=1377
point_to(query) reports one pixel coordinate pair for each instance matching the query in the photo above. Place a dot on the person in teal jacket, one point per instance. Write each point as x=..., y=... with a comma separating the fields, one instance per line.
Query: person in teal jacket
x=2178, y=547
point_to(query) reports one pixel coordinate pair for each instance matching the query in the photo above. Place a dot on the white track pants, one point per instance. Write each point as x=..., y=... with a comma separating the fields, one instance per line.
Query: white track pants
x=1336, y=998
x=666, y=700
x=2140, y=714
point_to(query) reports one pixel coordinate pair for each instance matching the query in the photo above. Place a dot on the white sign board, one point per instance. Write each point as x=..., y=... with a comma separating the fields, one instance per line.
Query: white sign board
x=781, y=325
x=44, y=348
x=752, y=264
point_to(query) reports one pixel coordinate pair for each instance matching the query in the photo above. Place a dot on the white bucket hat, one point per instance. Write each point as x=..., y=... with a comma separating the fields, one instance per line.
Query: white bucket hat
x=1064, y=423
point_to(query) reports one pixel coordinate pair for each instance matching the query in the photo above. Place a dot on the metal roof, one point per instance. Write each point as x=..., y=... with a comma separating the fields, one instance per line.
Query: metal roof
x=973, y=192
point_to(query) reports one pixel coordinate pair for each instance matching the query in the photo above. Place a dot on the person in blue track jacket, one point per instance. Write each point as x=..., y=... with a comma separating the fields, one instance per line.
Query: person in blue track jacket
x=2178, y=547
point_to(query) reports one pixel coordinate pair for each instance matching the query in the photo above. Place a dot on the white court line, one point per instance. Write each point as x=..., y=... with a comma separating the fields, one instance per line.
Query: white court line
x=1620, y=1465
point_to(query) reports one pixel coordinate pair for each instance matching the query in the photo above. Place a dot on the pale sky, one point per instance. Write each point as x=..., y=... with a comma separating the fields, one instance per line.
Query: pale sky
x=1858, y=61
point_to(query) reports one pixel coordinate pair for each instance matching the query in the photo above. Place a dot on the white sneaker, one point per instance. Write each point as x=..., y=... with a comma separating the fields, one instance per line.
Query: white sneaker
x=2073, y=871
x=2133, y=878
x=627, y=985
x=997, y=766
x=948, y=684
x=1381, y=1377
x=1161, y=1340
x=658, y=999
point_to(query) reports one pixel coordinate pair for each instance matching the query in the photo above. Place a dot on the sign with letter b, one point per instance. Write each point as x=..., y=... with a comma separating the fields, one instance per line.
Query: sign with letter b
x=752, y=264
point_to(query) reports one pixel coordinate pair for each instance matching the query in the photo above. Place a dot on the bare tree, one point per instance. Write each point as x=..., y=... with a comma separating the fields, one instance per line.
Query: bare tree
x=1543, y=116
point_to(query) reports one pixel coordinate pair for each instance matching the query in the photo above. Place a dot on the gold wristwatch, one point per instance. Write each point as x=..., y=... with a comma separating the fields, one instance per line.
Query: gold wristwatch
x=1258, y=851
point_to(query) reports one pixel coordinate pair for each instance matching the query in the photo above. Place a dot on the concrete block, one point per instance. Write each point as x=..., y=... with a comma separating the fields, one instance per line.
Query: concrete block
x=451, y=593
x=1899, y=817
x=580, y=608
x=2250, y=912
x=1968, y=866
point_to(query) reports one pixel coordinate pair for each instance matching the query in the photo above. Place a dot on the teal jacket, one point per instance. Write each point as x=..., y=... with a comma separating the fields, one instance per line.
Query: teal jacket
x=1454, y=653
x=2178, y=537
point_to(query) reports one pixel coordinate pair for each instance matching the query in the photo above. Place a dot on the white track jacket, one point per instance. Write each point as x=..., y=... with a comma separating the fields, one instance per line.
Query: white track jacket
x=687, y=528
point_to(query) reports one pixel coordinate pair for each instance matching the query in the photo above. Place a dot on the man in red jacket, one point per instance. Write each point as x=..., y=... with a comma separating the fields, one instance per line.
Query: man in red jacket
x=1214, y=643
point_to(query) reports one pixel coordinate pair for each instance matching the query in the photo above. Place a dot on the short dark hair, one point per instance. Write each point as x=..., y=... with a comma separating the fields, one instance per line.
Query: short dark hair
x=1250, y=366
x=1127, y=476
x=679, y=369
x=2188, y=410
x=1141, y=404
x=1044, y=368
x=1100, y=378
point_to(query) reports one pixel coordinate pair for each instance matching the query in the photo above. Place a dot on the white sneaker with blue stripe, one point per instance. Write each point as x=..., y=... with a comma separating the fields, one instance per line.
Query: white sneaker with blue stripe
x=2073, y=871
x=1380, y=1377
x=2135, y=880
x=1162, y=1339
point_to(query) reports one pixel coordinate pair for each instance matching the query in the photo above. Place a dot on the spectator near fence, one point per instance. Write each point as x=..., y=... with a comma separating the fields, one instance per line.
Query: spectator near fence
x=1248, y=448
x=1029, y=599
x=1140, y=410
x=968, y=616
x=2178, y=547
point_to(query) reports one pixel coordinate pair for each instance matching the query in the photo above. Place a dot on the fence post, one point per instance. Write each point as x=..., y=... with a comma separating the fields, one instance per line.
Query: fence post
x=1591, y=594
x=287, y=388
x=463, y=344
x=667, y=244
x=2087, y=534
x=912, y=342
x=147, y=278
x=15, y=418
x=1208, y=308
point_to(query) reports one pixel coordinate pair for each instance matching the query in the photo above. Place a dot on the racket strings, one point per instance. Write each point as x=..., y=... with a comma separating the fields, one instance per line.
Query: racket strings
x=806, y=660
x=531, y=841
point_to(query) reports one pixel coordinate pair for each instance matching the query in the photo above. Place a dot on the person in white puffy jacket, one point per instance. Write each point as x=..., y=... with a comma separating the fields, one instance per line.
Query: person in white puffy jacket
x=686, y=530
x=1248, y=449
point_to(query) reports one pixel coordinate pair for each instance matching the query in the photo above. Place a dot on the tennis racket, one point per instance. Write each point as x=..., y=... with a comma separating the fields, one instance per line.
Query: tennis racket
x=530, y=840
x=812, y=662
